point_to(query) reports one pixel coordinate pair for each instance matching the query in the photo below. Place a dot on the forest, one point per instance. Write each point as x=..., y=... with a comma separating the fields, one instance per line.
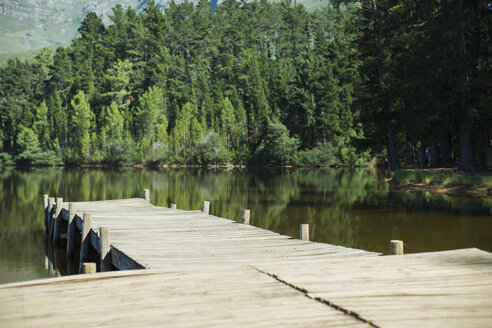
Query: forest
x=259, y=83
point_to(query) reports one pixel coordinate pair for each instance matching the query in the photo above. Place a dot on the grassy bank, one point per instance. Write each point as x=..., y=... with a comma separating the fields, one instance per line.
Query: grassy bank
x=442, y=181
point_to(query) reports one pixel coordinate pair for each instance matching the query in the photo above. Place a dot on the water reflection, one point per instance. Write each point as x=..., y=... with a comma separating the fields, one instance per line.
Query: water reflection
x=351, y=208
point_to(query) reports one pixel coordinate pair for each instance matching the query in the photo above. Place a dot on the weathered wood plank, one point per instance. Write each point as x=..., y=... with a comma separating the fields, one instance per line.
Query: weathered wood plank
x=390, y=290
x=222, y=273
x=172, y=299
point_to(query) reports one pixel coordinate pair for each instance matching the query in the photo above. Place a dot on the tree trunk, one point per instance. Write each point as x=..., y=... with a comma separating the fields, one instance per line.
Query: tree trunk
x=466, y=149
x=481, y=148
x=465, y=129
x=481, y=136
x=434, y=154
x=390, y=144
x=447, y=151
x=391, y=147
x=410, y=159
x=423, y=158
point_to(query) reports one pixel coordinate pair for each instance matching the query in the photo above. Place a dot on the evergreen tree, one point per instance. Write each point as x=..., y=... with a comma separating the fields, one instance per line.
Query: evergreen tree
x=58, y=122
x=42, y=126
x=80, y=127
x=259, y=81
x=276, y=147
x=112, y=123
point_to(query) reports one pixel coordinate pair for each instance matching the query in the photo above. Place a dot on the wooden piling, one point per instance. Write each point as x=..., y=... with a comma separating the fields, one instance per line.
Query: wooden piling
x=105, y=247
x=88, y=267
x=45, y=208
x=57, y=221
x=147, y=195
x=85, y=242
x=51, y=205
x=246, y=214
x=206, y=207
x=396, y=247
x=71, y=231
x=304, y=232
x=173, y=206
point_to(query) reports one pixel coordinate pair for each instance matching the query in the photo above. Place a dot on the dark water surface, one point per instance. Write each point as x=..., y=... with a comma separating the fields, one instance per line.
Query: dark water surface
x=350, y=208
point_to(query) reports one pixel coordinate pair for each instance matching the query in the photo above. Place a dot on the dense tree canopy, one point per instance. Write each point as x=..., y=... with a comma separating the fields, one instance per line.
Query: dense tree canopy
x=259, y=82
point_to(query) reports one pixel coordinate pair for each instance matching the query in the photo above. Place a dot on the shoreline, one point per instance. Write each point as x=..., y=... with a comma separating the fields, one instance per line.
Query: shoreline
x=454, y=190
x=158, y=166
x=447, y=181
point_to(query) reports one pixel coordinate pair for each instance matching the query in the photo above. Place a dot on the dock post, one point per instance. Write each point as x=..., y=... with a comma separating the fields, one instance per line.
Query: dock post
x=58, y=221
x=173, y=206
x=206, y=207
x=245, y=216
x=147, y=195
x=304, y=232
x=71, y=230
x=85, y=242
x=88, y=267
x=51, y=204
x=105, y=247
x=45, y=207
x=396, y=247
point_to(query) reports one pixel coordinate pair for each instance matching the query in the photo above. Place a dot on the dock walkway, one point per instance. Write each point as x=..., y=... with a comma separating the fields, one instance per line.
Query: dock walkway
x=163, y=238
x=202, y=270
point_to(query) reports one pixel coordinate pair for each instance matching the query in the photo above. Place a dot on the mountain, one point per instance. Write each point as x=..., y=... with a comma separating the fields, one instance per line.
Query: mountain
x=29, y=25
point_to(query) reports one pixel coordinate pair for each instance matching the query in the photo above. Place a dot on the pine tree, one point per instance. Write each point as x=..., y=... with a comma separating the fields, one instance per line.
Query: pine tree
x=151, y=116
x=80, y=127
x=42, y=126
x=112, y=123
x=58, y=122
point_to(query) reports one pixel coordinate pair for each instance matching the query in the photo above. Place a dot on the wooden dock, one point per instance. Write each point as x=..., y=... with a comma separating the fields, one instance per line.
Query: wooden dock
x=202, y=270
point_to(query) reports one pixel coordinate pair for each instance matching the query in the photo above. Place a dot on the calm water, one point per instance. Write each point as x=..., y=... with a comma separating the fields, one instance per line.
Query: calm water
x=349, y=208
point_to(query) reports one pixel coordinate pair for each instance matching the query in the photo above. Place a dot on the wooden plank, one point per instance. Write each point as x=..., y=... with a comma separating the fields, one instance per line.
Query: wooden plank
x=214, y=264
x=388, y=290
x=176, y=299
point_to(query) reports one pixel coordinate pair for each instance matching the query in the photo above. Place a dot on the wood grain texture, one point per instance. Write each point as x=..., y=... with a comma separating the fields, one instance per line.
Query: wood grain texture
x=160, y=238
x=202, y=270
x=185, y=298
x=441, y=289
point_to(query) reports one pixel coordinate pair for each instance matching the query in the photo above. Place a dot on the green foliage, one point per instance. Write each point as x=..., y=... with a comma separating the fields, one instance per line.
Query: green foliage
x=118, y=82
x=80, y=125
x=39, y=157
x=186, y=133
x=151, y=116
x=159, y=153
x=27, y=140
x=276, y=146
x=120, y=151
x=30, y=153
x=211, y=149
x=41, y=126
x=6, y=159
x=112, y=124
x=323, y=154
x=249, y=82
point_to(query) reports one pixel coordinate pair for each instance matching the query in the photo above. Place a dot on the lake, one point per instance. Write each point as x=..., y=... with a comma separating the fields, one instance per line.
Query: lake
x=352, y=208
